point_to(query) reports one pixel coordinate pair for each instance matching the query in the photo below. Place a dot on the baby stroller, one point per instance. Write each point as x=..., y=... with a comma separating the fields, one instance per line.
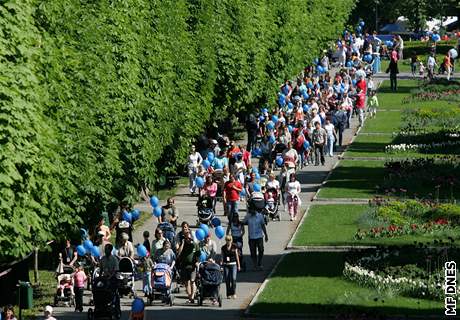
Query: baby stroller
x=205, y=210
x=169, y=233
x=125, y=275
x=162, y=283
x=257, y=203
x=208, y=282
x=106, y=300
x=272, y=204
x=64, y=292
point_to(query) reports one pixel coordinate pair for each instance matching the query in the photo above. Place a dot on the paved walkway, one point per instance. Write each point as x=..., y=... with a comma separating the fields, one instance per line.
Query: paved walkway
x=280, y=234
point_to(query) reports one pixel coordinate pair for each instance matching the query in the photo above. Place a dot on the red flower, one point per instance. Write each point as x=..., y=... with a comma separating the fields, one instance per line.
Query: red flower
x=413, y=226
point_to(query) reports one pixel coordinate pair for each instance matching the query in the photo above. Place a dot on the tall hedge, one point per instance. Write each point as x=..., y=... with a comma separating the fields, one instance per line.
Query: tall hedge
x=98, y=99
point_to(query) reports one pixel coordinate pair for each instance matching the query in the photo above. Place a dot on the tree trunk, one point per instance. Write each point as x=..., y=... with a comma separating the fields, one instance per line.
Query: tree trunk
x=36, y=278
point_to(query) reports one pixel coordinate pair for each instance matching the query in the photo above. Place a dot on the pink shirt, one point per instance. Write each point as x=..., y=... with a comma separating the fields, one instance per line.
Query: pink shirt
x=211, y=190
x=79, y=279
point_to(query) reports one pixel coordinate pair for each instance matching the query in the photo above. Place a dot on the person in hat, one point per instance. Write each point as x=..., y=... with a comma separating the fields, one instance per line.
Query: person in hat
x=49, y=313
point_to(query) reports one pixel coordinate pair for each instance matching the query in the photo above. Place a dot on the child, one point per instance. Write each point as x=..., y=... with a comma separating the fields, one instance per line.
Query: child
x=79, y=283
x=147, y=266
x=421, y=71
x=413, y=63
x=372, y=104
x=65, y=282
x=146, y=243
x=370, y=85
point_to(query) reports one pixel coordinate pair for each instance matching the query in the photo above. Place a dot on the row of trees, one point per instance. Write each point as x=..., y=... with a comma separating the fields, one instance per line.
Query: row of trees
x=99, y=98
x=416, y=11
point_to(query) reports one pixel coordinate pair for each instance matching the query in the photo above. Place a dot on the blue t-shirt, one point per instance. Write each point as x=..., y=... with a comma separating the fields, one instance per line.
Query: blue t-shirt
x=255, y=224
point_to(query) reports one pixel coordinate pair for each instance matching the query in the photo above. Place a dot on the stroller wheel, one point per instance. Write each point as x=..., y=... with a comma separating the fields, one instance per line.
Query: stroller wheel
x=200, y=300
x=171, y=300
x=90, y=314
x=220, y=301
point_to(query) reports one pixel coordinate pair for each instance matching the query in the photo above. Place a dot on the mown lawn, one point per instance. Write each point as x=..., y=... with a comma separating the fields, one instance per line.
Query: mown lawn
x=337, y=224
x=312, y=283
x=353, y=179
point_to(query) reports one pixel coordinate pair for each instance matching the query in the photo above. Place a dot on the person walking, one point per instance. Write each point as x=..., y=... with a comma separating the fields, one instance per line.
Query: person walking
x=293, y=200
x=393, y=70
x=340, y=121
x=360, y=104
x=331, y=137
x=431, y=65
x=372, y=104
x=169, y=212
x=319, y=139
x=79, y=278
x=448, y=65
x=232, y=189
x=252, y=127
x=231, y=263
x=194, y=160
x=256, y=232
x=188, y=257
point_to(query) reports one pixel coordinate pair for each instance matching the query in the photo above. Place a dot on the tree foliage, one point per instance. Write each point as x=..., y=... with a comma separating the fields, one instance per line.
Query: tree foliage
x=100, y=98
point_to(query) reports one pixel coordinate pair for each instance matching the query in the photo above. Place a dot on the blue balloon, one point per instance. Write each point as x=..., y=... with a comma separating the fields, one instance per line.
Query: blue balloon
x=270, y=126
x=154, y=201
x=135, y=214
x=216, y=221
x=157, y=212
x=275, y=119
x=367, y=58
x=282, y=101
x=361, y=23
x=255, y=169
x=359, y=28
x=141, y=251
x=205, y=228
x=272, y=139
x=310, y=85
x=257, y=176
x=305, y=95
x=285, y=90
x=264, y=110
x=200, y=234
x=95, y=252
x=88, y=245
x=349, y=64
x=290, y=128
x=316, y=61
x=306, y=144
x=203, y=256
x=320, y=69
x=279, y=161
x=256, y=152
x=137, y=306
x=353, y=82
x=290, y=105
x=220, y=232
x=243, y=193
x=206, y=164
x=210, y=156
x=305, y=108
x=256, y=187
x=261, y=118
x=127, y=216
x=81, y=250
x=199, y=181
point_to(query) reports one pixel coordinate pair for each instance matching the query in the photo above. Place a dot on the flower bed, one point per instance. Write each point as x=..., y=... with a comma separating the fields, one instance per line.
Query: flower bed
x=416, y=274
x=411, y=217
x=421, y=147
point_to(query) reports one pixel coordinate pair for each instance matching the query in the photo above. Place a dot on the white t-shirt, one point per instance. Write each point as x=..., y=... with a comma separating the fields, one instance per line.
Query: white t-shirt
x=293, y=187
x=329, y=129
x=194, y=160
x=275, y=184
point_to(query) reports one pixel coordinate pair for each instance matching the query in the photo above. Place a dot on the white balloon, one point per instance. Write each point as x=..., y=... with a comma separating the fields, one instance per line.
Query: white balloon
x=453, y=53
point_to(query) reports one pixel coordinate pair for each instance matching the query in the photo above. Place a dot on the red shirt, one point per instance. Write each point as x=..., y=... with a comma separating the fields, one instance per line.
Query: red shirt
x=360, y=100
x=246, y=157
x=362, y=85
x=230, y=193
